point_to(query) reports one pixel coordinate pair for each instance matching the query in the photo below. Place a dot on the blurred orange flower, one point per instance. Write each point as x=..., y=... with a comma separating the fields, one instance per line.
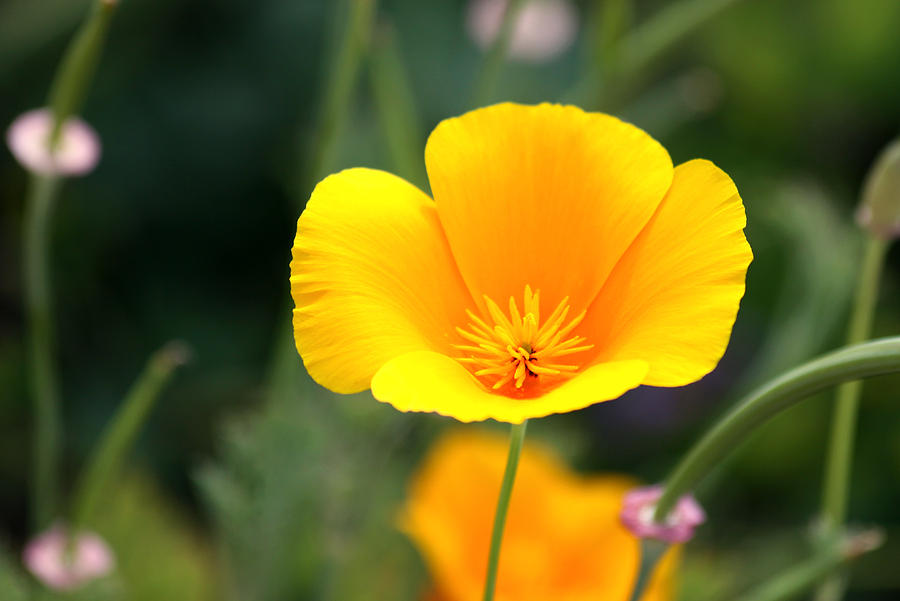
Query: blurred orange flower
x=563, y=539
x=618, y=269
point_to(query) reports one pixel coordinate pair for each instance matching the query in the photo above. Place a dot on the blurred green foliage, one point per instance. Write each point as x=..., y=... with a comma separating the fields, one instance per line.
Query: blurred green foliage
x=208, y=109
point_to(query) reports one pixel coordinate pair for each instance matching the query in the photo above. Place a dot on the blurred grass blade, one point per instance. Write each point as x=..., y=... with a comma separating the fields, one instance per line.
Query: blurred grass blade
x=668, y=28
x=496, y=54
x=394, y=101
x=285, y=373
x=801, y=578
x=850, y=363
x=79, y=64
x=339, y=84
x=108, y=455
x=607, y=85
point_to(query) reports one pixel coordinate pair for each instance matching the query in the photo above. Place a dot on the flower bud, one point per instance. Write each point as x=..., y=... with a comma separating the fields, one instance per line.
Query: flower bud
x=638, y=510
x=543, y=29
x=76, y=152
x=63, y=565
x=879, y=211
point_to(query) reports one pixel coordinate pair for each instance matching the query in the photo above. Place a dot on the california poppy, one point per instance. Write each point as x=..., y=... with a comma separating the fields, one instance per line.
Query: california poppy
x=562, y=262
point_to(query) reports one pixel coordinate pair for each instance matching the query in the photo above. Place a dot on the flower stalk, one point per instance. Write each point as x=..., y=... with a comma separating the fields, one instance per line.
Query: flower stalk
x=652, y=551
x=865, y=360
x=840, y=455
x=42, y=365
x=66, y=97
x=517, y=437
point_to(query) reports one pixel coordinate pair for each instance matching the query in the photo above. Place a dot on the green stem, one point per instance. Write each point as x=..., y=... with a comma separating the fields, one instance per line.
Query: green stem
x=799, y=579
x=850, y=363
x=78, y=65
x=837, y=472
x=493, y=60
x=117, y=439
x=836, y=484
x=396, y=107
x=516, y=438
x=652, y=551
x=42, y=365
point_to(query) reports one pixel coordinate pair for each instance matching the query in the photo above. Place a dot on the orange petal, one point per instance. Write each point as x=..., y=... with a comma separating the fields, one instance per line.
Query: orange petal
x=428, y=381
x=372, y=278
x=544, y=195
x=673, y=297
x=563, y=538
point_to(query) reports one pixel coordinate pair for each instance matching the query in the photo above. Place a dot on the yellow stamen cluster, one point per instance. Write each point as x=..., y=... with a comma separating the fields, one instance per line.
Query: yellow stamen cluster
x=519, y=346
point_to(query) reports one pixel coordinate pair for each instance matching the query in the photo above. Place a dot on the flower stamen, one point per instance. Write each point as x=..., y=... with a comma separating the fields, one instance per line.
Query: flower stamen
x=519, y=347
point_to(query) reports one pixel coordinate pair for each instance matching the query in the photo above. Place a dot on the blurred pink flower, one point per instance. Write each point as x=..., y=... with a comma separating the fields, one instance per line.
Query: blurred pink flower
x=640, y=505
x=77, y=152
x=59, y=567
x=543, y=28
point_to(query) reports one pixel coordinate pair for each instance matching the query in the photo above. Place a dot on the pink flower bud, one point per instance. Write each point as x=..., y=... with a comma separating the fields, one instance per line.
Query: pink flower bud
x=543, y=28
x=77, y=151
x=640, y=505
x=63, y=565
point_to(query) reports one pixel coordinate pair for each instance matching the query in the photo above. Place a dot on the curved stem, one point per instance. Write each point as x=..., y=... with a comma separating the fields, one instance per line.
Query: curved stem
x=850, y=363
x=40, y=340
x=516, y=438
x=493, y=61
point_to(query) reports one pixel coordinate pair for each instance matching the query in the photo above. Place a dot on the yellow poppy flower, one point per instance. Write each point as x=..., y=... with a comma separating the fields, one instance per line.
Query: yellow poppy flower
x=562, y=262
x=563, y=538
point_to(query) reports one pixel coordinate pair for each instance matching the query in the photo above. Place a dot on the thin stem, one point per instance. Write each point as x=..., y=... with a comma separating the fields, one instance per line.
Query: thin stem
x=493, y=60
x=41, y=348
x=836, y=484
x=837, y=472
x=850, y=363
x=119, y=435
x=78, y=65
x=516, y=438
x=651, y=552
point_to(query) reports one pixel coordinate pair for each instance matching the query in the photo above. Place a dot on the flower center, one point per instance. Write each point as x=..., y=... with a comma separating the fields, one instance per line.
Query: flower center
x=520, y=347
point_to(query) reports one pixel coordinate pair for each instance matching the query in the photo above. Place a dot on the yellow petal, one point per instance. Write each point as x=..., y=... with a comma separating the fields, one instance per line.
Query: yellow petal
x=545, y=195
x=673, y=297
x=428, y=381
x=372, y=278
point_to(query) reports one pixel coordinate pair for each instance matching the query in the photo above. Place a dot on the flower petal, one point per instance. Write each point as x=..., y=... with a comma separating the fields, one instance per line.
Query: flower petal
x=372, y=278
x=544, y=195
x=673, y=297
x=428, y=381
